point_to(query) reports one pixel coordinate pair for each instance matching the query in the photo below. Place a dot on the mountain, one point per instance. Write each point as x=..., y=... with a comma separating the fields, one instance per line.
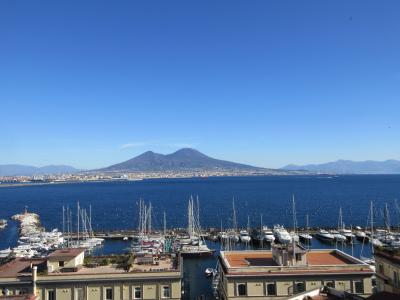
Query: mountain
x=351, y=167
x=185, y=159
x=24, y=170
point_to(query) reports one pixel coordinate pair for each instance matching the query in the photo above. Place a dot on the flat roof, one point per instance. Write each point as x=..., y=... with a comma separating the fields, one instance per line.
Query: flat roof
x=239, y=259
x=22, y=267
x=66, y=253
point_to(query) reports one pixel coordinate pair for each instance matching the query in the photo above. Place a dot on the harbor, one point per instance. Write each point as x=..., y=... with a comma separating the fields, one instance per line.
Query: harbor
x=145, y=233
x=198, y=246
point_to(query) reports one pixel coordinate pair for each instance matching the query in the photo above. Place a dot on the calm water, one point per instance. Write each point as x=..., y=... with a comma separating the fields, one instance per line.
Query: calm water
x=115, y=203
x=114, y=206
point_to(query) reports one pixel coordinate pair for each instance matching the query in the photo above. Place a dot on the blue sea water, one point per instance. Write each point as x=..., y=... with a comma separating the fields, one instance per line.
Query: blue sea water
x=115, y=206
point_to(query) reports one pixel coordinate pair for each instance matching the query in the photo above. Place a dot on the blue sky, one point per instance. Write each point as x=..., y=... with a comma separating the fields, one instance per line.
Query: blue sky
x=91, y=83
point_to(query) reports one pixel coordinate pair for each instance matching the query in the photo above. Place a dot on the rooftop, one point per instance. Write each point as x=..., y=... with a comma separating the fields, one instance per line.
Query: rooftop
x=264, y=258
x=105, y=265
x=66, y=253
x=316, y=261
x=21, y=267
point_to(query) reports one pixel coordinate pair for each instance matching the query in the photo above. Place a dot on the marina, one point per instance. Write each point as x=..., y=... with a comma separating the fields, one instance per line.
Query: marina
x=153, y=232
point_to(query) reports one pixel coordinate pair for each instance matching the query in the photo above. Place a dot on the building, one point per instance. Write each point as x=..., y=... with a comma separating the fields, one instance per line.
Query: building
x=66, y=275
x=290, y=270
x=387, y=264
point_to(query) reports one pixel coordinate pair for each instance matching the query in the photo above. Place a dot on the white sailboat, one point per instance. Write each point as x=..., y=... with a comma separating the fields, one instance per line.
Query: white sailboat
x=244, y=234
x=199, y=247
x=305, y=236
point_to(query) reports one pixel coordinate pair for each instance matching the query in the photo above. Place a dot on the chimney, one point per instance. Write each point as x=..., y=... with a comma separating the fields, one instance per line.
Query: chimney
x=34, y=278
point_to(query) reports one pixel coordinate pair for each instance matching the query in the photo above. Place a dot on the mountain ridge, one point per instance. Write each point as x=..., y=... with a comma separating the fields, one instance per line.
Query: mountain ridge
x=28, y=170
x=342, y=166
x=180, y=160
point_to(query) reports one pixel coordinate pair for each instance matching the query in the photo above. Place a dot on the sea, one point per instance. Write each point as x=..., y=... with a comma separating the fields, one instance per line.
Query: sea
x=114, y=206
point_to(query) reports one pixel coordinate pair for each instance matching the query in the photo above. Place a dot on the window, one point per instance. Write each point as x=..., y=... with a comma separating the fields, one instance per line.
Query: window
x=79, y=294
x=298, y=256
x=241, y=289
x=396, y=279
x=381, y=269
x=329, y=283
x=137, y=293
x=270, y=288
x=61, y=263
x=166, y=292
x=358, y=287
x=109, y=293
x=299, y=287
x=51, y=295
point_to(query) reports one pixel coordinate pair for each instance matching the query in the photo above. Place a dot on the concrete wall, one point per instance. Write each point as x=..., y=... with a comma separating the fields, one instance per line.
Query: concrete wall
x=93, y=291
x=256, y=288
x=385, y=276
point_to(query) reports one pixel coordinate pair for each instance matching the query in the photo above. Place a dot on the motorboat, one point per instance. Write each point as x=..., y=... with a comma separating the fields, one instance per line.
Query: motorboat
x=305, y=236
x=223, y=235
x=361, y=235
x=347, y=233
x=244, y=236
x=267, y=235
x=337, y=236
x=325, y=235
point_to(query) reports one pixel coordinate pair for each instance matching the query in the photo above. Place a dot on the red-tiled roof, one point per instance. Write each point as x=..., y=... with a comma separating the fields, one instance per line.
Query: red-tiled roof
x=20, y=266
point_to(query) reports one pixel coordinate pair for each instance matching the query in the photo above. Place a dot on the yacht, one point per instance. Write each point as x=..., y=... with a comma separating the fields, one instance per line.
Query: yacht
x=267, y=235
x=361, y=235
x=347, y=233
x=337, y=236
x=223, y=236
x=325, y=235
x=244, y=236
x=282, y=235
x=305, y=236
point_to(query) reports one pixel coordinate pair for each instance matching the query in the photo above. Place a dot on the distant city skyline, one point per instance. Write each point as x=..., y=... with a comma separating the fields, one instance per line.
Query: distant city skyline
x=93, y=83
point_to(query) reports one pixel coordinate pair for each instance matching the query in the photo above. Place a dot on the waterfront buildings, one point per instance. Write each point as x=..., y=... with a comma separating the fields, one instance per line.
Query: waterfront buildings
x=288, y=270
x=66, y=275
x=387, y=263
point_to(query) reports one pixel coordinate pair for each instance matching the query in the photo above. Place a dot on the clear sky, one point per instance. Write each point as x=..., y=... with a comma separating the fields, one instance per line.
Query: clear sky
x=91, y=83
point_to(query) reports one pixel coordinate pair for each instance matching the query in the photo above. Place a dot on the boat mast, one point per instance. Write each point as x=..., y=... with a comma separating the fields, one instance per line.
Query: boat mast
x=165, y=224
x=372, y=226
x=234, y=215
x=78, y=209
x=294, y=214
x=149, y=218
x=63, y=220
x=198, y=212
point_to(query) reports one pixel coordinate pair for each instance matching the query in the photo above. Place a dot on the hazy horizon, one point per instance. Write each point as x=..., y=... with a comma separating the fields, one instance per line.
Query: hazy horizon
x=89, y=84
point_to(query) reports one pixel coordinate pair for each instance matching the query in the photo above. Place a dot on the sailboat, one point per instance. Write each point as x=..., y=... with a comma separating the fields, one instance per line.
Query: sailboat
x=305, y=236
x=244, y=234
x=293, y=233
x=342, y=228
x=370, y=260
x=232, y=234
x=198, y=246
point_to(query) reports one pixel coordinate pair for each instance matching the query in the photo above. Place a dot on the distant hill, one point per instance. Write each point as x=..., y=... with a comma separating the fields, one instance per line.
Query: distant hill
x=181, y=160
x=24, y=170
x=351, y=167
